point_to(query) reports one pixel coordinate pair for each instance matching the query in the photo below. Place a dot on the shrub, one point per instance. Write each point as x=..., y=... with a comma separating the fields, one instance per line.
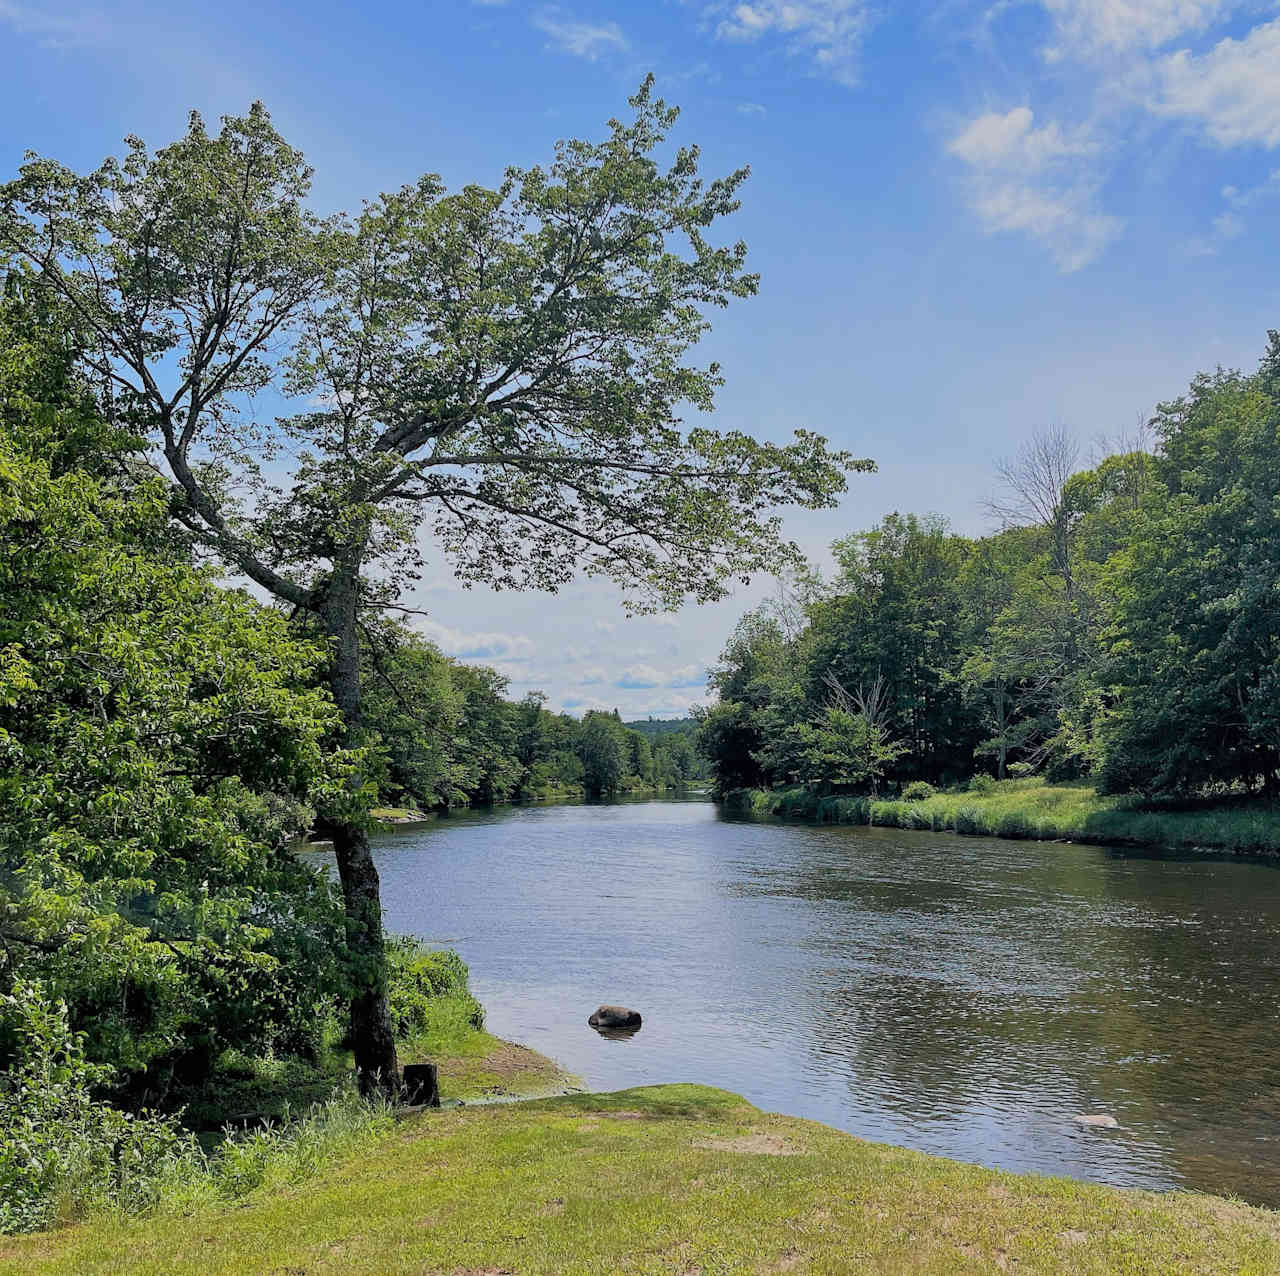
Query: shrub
x=62, y=1153
x=982, y=784
x=918, y=791
x=428, y=990
x=1014, y=824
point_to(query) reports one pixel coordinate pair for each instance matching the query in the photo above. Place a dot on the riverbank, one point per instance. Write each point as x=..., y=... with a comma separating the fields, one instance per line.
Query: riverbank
x=664, y=1179
x=394, y=815
x=1033, y=809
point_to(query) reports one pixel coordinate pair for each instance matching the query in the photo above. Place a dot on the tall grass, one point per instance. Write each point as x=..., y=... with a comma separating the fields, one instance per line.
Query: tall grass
x=65, y=1155
x=1033, y=809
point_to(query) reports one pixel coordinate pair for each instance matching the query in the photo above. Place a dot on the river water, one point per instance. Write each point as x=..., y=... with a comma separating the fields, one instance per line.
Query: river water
x=964, y=996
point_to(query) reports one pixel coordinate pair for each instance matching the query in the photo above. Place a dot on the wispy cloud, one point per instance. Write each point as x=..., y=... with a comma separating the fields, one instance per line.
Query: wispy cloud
x=1093, y=27
x=1232, y=223
x=54, y=27
x=476, y=646
x=581, y=38
x=689, y=676
x=751, y=108
x=827, y=33
x=1037, y=182
x=1231, y=92
x=643, y=677
x=640, y=678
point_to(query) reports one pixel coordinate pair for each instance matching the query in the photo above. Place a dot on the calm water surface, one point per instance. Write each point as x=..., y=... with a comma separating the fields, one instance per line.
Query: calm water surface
x=963, y=996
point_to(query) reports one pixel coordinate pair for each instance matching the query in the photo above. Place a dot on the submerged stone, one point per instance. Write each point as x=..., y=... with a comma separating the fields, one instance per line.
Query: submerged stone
x=1098, y=1121
x=615, y=1017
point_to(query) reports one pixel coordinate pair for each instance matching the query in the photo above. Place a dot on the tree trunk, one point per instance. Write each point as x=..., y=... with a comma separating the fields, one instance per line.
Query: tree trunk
x=372, y=1038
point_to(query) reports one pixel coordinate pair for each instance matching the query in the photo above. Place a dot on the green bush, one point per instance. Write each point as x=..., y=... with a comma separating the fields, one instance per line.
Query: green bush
x=982, y=784
x=1014, y=824
x=917, y=791
x=62, y=1153
x=65, y=1155
x=428, y=991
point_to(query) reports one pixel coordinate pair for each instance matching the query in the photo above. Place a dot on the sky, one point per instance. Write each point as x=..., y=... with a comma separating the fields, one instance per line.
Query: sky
x=972, y=220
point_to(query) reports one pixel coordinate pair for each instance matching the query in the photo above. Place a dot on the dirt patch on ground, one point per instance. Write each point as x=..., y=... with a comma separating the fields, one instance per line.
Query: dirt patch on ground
x=624, y=1116
x=510, y=1061
x=1237, y=1212
x=787, y=1262
x=757, y=1144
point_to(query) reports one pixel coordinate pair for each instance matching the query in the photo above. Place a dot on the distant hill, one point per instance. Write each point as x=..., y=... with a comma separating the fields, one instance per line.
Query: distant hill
x=655, y=727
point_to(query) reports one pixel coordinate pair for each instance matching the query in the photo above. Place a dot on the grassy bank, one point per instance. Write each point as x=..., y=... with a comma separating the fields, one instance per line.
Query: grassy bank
x=437, y=1020
x=664, y=1179
x=1034, y=809
x=393, y=815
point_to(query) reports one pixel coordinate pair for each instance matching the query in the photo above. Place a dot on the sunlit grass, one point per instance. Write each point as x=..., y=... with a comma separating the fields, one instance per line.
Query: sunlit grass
x=663, y=1179
x=1032, y=808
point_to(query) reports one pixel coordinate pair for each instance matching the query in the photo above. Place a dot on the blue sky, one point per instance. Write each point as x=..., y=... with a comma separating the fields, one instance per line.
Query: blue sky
x=971, y=219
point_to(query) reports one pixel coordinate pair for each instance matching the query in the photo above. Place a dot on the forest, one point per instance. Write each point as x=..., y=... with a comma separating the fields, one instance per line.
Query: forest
x=450, y=737
x=1122, y=626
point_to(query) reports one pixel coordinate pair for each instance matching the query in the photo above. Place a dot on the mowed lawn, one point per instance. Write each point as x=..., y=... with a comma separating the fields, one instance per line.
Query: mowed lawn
x=665, y=1179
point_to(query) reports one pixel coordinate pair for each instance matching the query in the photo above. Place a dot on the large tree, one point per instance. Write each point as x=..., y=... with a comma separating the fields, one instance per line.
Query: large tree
x=506, y=367
x=1195, y=644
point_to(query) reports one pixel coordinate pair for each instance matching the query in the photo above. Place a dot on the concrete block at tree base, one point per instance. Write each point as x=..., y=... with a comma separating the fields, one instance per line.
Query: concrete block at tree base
x=421, y=1085
x=615, y=1017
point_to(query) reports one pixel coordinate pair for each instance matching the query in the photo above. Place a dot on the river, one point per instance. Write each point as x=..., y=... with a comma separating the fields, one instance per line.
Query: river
x=964, y=996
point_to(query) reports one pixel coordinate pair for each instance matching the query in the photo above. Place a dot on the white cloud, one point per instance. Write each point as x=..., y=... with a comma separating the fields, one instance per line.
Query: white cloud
x=688, y=676
x=604, y=627
x=751, y=108
x=583, y=39
x=1090, y=27
x=640, y=677
x=1010, y=141
x=1232, y=92
x=1065, y=221
x=592, y=675
x=828, y=32
x=57, y=29
x=1037, y=182
x=476, y=646
x=1228, y=225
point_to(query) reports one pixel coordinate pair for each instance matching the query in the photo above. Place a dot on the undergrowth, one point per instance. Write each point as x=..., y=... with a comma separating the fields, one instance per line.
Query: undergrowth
x=1034, y=809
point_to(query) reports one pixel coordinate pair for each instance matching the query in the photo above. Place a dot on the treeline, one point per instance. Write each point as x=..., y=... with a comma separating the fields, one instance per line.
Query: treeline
x=1122, y=625
x=448, y=736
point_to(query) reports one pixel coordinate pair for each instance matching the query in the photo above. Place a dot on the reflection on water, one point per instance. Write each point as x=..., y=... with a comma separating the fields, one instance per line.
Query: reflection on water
x=960, y=995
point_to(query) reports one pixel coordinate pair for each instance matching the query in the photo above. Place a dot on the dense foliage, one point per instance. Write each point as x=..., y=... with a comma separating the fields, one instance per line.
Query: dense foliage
x=163, y=742
x=1122, y=625
x=509, y=369
x=448, y=736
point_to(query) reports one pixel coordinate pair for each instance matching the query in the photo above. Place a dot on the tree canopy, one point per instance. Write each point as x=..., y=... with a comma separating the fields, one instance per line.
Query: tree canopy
x=505, y=369
x=1122, y=624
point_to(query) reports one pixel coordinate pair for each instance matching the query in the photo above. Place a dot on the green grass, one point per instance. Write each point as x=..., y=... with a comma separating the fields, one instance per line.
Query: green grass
x=1032, y=808
x=663, y=1179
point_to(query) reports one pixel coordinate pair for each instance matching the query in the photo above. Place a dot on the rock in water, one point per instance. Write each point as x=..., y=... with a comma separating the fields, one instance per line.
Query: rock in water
x=1100, y=1121
x=615, y=1017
